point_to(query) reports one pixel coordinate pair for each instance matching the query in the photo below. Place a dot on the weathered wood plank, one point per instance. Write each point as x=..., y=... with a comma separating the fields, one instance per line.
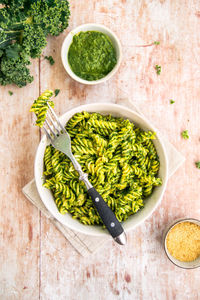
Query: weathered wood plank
x=20, y=221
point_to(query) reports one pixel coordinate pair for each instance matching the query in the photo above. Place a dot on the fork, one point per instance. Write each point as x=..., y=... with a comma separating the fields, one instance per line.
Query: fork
x=61, y=141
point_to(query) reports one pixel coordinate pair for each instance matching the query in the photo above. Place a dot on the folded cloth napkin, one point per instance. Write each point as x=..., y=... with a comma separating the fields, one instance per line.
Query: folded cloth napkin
x=86, y=244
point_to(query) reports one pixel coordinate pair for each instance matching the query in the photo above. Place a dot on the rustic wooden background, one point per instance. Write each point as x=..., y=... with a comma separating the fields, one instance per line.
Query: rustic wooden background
x=36, y=261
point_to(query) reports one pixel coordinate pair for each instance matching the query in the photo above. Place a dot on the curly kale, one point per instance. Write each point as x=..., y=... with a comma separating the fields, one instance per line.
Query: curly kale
x=24, y=27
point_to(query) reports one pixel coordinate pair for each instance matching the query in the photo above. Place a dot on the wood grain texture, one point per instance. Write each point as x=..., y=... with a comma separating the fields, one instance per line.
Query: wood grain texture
x=36, y=261
x=19, y=222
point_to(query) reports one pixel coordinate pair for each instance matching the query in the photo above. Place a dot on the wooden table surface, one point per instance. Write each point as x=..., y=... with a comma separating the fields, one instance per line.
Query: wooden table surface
x=36, y=261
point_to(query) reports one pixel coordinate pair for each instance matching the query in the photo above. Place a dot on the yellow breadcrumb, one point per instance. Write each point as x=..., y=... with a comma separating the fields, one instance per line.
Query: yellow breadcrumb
x=183, y=241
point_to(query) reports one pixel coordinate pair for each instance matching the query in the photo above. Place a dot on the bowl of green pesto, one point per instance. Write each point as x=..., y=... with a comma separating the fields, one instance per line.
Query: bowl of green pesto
x=91, y=54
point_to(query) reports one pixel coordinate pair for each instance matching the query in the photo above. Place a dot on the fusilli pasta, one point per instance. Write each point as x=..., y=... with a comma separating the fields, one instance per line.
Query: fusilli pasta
x=121, y=162
x=40, y=107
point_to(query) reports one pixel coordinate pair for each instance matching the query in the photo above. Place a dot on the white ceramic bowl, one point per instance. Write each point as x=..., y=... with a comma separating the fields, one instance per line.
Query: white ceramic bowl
x=90, y=27
x=151, y=203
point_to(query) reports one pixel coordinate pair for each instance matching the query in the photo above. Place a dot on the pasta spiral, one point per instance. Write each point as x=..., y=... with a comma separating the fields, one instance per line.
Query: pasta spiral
x=40, y=107
x=120, y=159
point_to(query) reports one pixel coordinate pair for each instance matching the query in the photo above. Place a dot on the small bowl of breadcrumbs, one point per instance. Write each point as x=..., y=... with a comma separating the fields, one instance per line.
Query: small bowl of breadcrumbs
x=182, y=243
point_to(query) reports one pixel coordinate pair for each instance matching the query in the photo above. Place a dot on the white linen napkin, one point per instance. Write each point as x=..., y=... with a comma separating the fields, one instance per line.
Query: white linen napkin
x=86, y=244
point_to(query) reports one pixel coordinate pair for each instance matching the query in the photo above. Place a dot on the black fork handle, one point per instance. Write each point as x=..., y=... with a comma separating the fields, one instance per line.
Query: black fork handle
x=108, y=217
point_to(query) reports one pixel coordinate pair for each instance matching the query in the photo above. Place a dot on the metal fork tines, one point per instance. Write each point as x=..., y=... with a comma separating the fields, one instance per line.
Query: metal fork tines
x=54, y=124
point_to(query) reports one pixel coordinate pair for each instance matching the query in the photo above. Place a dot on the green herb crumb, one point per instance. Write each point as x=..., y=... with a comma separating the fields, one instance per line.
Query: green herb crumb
x=10, y=93
x=171, y=101
x=197, y=164
x=185, y=134
x=158, y=69
x=56, y=92
x=50, y=59
x=156, y=43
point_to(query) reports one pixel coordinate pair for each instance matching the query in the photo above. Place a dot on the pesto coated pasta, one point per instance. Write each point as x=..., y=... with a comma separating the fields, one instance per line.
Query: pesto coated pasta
x=119, y=158
x=40, y=106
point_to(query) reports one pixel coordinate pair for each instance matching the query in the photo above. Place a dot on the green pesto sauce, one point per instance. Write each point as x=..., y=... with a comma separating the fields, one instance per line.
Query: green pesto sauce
x=91, y=55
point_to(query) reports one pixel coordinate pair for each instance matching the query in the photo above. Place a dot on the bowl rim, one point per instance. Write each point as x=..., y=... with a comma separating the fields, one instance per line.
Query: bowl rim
x=65, y=49
x=168, y=229
x=94, y=107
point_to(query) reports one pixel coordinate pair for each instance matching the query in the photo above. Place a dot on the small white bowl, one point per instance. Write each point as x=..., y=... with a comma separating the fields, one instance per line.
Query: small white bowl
x=150, y=204
x=181, y=264
x=90, y=27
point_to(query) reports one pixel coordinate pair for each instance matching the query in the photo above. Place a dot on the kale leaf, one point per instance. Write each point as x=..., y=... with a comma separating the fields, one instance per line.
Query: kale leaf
x=56, y=92
x=24, y=27
x=185, y=134
x=50, y=59
x=197, y=164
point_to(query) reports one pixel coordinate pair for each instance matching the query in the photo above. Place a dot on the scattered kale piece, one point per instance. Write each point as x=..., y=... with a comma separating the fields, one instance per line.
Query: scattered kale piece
x=56, y=92
x=10, y=93
x=158, y=69
x=50, y=59
x=156, y=43
x=197, y=164
x=24, y=27
x=172, y=101
x=185, y=134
